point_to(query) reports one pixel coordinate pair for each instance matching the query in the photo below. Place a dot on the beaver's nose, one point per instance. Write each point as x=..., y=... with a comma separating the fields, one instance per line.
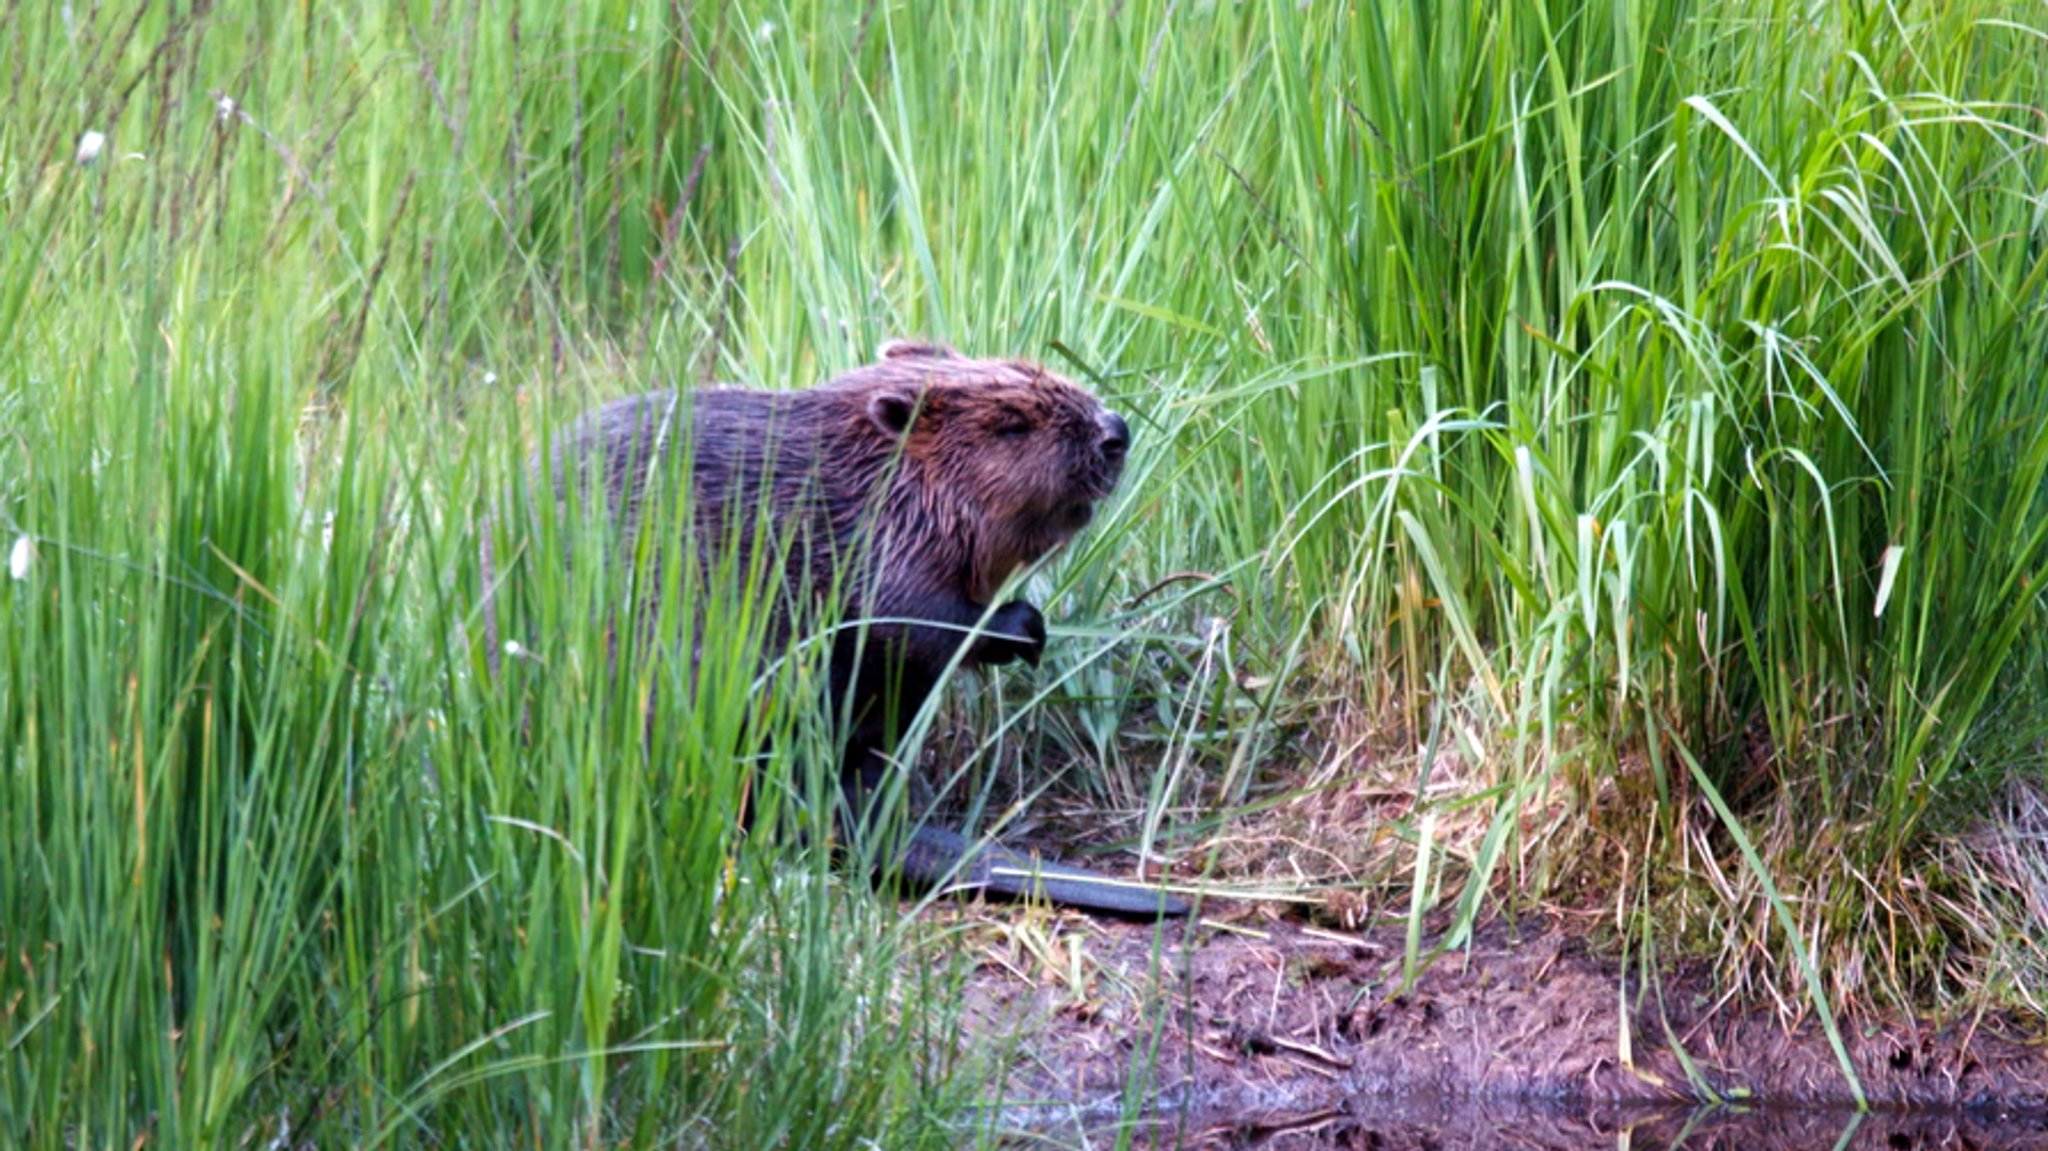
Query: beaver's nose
x=1116, y=436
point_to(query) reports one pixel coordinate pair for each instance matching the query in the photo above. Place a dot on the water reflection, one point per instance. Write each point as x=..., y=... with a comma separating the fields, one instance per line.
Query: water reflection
x=1414, y=1125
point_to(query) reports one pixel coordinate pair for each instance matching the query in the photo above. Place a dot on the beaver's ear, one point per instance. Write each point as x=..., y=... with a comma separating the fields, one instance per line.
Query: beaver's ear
x=915, y=349
x=892, y=410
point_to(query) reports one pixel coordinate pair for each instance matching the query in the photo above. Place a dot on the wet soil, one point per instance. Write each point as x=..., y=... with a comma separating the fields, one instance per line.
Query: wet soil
x=1268, y=1032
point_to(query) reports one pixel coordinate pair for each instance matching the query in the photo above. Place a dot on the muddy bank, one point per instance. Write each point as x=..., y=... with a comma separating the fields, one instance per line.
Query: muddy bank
x=1234, y=1036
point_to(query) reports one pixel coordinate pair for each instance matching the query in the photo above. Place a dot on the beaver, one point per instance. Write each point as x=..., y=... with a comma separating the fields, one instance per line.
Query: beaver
x=901, y=496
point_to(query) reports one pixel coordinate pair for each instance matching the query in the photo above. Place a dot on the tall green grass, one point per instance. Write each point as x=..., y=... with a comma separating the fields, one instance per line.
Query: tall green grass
x=1647, y=397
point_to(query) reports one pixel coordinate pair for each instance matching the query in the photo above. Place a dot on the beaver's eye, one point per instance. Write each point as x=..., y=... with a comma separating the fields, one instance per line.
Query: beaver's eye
x=1014, y=428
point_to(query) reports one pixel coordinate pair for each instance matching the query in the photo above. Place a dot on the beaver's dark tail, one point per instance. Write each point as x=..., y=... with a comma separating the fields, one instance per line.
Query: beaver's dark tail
x=936, y=857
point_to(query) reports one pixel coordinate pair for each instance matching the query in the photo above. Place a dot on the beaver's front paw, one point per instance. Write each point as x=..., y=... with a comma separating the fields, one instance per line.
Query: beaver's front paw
x=1015, y=631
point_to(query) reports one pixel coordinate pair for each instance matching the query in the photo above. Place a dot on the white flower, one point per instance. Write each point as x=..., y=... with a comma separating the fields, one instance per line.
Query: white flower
x=766, y=30
x=89, y=146
x=19, y=559
x=225, y=106
x=490, y=378
x=513, y=650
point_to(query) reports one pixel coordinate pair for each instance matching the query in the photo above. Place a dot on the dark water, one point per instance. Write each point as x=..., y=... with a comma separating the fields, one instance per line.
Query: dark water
x=1411, y=1125
x=1386, y=1127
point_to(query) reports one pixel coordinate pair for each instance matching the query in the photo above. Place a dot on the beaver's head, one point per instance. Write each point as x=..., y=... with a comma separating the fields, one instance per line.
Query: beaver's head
x=1025, y=453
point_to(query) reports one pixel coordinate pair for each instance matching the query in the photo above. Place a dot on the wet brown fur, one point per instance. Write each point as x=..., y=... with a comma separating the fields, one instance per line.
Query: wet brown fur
x=1001, y=465
x=909, y=489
